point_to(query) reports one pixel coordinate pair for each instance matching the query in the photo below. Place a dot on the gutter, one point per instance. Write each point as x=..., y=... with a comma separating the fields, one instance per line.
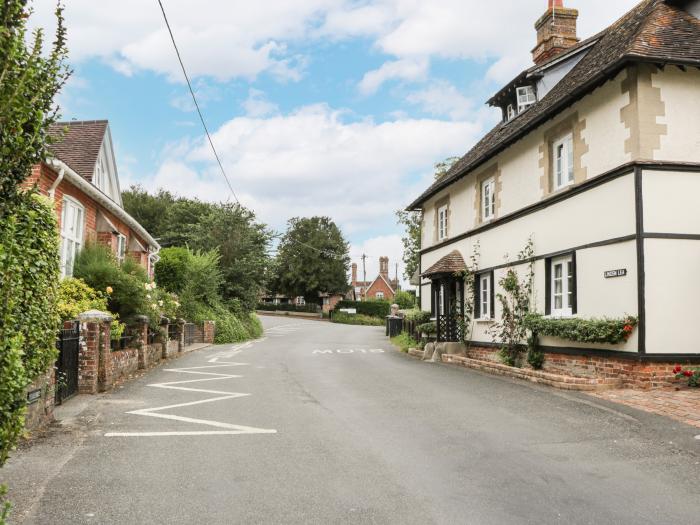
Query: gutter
x=61, y=173
x=94, y=193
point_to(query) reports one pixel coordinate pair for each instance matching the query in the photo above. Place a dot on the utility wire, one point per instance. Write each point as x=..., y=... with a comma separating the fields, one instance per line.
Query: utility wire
x=196, y=104
x=327, y=253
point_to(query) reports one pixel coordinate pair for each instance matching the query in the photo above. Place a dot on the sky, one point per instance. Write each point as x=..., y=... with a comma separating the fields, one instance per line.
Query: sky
x=317, y=107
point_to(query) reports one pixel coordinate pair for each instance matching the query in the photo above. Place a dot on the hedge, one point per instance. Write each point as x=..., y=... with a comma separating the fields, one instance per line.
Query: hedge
x=370, y=308
x=356, y=319
x=305, y=308
x=610, y=331
x=29, y=318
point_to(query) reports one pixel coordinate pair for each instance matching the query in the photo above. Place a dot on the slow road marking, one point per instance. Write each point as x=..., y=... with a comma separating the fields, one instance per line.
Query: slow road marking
x=220, y=395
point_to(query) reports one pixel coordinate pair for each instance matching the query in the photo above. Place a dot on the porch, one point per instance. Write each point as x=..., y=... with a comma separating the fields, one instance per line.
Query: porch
x=447, y=297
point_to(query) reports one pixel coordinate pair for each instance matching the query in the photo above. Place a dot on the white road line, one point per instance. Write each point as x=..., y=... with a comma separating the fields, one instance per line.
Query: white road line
x=230, y=429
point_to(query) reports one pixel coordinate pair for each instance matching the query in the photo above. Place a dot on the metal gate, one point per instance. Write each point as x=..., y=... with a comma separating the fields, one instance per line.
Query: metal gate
x=68, y=344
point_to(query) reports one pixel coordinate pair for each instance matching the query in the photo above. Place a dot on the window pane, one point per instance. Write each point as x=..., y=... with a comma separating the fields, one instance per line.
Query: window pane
x=570, y=160
x=557, y=302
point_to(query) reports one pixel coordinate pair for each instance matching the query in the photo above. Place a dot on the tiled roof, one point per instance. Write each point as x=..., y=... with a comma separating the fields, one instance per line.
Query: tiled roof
x=78, y=143
x=450, y=263
x=654, y=31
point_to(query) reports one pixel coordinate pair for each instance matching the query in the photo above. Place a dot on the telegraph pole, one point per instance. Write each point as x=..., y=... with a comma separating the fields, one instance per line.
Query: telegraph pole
x=364, y=277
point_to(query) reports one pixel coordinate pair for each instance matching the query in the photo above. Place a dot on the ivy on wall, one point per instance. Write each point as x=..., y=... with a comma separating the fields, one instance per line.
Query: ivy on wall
x=610, y=331
x=28, y=315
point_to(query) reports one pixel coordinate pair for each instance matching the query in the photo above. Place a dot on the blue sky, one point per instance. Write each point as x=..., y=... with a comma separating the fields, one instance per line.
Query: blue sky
x=333, y=107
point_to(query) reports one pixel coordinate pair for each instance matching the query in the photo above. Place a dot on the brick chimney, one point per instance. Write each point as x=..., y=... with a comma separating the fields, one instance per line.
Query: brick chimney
x=556, y=31
x=384, y=267
x=354, y=274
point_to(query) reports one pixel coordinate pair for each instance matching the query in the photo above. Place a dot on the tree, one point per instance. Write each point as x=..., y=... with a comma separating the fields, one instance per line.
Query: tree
x=405, y=300
x=312, y=258
x=243, y=246
x=411, y=221
x=30, y=78
x=442, y=167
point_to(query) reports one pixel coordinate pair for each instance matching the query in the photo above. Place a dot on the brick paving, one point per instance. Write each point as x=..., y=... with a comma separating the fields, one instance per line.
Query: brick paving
x=681, y=404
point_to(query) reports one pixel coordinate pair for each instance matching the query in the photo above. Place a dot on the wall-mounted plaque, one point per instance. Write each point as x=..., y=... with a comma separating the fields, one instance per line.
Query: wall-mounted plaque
x=33, y=396
x=616, y=273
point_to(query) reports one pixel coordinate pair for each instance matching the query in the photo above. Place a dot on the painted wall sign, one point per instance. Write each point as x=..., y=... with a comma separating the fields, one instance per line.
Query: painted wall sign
x=33, y=396
x=616, y=273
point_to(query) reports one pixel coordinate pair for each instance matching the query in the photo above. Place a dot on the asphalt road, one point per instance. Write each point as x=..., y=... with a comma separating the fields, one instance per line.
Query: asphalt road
x=337, y=427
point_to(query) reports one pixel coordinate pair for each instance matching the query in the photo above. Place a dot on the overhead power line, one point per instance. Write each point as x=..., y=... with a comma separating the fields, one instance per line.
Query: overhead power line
x=327, y=253
x=196, y=104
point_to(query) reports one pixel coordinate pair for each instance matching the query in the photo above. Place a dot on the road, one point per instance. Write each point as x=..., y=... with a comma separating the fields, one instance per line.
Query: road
x=335, y=426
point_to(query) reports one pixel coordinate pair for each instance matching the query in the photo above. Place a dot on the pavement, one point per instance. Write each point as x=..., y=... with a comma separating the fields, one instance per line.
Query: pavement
x=322, y=423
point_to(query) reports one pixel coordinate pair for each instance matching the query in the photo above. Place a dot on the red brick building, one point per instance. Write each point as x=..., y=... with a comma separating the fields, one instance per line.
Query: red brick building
x=82, y=180
x=381, y=288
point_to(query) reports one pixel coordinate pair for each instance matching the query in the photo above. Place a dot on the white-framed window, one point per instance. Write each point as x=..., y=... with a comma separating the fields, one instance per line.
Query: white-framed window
x=488, y=199
x=563, y=286
x=379, y=295
x=510, y=112
x=485, y=291
x=563, y=162
x=526, y=97
x=121, y=248
x=442, y=223
x=72, y=227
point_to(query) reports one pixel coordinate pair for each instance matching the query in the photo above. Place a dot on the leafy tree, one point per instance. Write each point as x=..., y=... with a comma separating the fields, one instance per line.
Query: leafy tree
x=242, y=244
x=442, y=167
x=312, y=258
x=30, y=77
x=412, y=222
x=151, y=211
x=171, y=269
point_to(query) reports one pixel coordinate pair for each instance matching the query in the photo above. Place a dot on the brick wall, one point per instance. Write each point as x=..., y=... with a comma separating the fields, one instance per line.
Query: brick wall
x=209, y=330
x=40, y=412
x=380, y=286
x=124, y=363
x=632, y=372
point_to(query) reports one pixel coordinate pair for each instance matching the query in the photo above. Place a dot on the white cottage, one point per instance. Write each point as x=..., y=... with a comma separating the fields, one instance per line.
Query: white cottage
x=597, y=160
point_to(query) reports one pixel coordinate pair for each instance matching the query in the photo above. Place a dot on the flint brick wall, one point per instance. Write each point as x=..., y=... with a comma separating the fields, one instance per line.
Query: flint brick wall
x=209, y=330
x=124, y=363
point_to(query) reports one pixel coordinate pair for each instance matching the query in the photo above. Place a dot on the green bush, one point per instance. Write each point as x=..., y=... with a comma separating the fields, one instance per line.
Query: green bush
x=611, y=331
x=417, y=316
x=76, y=297
x=429, y=328
x=172, y=269
x=356, y=319
x=405, y=299
x=29, y=318
x=308, y=308
x=404, y=341
x=370, y=308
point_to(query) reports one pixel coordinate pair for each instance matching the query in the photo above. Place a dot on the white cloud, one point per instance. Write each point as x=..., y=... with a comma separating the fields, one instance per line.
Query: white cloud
x=226, y=39
x=443, y=99
x=408, y=69
x=314, y=161
x=257, y=105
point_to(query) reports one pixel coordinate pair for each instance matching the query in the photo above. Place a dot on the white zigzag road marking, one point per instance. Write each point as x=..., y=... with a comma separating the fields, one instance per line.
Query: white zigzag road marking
x=229, y=429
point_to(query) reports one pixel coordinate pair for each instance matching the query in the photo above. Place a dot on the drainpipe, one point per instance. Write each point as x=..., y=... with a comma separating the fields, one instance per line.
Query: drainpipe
x=61, y=173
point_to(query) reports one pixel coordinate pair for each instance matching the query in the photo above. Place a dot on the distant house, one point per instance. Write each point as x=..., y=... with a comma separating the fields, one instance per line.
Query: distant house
x=381, y=288
x=81, y=178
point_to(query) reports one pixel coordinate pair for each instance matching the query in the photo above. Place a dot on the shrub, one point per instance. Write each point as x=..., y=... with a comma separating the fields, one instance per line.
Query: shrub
x=404, y=341
x=418, y=316
x=370, y=308
x=691, y=374
x=76, y=297
x=405, y=299
x=429, y=328
x=611, y=331
x=172, y=269
x=98, y=268
x=356, y=319
x=306, y=308
x=28, y=313
x=535, y=356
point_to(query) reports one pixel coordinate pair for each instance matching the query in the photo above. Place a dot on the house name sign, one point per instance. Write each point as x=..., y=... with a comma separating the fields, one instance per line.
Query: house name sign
x=616, y=273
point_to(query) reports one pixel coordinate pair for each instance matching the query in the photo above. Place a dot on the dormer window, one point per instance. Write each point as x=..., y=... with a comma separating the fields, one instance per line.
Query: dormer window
x=526, y=97
x=510, y=112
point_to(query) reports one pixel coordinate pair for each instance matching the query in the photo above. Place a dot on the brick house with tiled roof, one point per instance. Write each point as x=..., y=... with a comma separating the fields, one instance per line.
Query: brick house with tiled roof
x=381, y=288
x=81, y=178
x=597, y=160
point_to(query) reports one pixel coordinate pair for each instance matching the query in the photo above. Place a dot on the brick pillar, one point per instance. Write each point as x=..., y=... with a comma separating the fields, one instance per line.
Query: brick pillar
x=164, y=323
x=94, y=370
x=180, y=335
x=142, y=334
x=209, y=328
